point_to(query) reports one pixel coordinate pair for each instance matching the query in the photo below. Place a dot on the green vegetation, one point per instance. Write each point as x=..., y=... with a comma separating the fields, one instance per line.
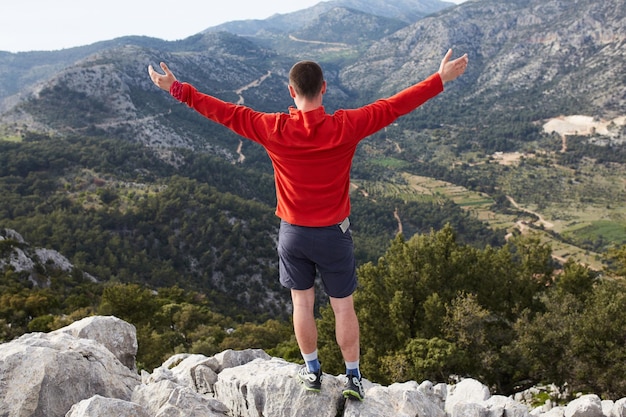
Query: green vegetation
x=11, y=138
x=184, y=251
x=431, y=308
x=598, y=234
x=572, y=194
x=169, y=320
x=119, y=213
x=486, y=248
x=6, y=135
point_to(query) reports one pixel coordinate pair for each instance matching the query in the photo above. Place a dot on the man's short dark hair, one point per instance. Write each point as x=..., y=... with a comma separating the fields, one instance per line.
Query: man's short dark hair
x=307, y=78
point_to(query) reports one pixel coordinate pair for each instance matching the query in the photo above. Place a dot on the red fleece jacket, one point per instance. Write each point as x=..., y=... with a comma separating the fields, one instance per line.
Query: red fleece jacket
x=311, y=151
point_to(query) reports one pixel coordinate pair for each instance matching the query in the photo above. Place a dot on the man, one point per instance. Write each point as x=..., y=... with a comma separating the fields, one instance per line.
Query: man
x=311, y=152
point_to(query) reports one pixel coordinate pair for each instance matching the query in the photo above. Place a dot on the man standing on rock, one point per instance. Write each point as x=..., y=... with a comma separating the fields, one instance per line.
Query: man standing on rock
x=311, y=152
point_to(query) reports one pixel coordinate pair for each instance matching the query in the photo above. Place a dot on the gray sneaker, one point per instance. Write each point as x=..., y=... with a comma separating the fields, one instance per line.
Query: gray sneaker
x=354, y=388
x=312, y=381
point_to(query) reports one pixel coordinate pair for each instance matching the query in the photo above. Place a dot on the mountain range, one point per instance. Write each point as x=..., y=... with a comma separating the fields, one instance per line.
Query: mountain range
x=542, y=58
x=571, y=51
x=531, y=61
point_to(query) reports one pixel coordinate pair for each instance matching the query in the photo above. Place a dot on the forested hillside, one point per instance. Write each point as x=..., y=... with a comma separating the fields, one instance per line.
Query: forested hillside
x=119, y=213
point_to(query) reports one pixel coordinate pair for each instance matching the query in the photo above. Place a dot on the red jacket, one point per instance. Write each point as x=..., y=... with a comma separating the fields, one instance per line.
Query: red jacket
x=312, y=151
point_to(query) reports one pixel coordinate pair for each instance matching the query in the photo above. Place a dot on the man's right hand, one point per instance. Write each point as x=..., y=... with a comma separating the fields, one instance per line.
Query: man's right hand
x=164, y=82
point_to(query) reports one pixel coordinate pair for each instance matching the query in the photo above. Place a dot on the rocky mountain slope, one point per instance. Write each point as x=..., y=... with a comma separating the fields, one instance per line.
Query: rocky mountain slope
x=87, y=369
x=407, y=11
x=547, y=58
x=20, y=71
x=17, y=255
x=567, y=55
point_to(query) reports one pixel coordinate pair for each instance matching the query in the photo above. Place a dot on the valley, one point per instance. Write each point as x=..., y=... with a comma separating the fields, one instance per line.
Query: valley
x=583, y=213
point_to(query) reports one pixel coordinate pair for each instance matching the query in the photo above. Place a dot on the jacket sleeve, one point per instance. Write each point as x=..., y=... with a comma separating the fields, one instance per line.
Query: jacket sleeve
x=412, y=97
x=375, y=116
x=240, y=119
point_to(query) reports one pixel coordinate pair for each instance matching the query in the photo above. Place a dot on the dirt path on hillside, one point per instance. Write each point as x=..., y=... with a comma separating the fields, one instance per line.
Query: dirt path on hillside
x=397, y=217
x=342, y=45
x=546, y=224
x=242, y=157
x=254, y=83
x=241, y=102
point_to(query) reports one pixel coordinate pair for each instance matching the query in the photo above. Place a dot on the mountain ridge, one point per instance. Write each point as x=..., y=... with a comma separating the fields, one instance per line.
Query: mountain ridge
x=406, y=11
x=529, y=49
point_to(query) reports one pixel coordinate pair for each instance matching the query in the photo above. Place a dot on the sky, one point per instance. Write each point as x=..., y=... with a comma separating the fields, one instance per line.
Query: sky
x=44, y=25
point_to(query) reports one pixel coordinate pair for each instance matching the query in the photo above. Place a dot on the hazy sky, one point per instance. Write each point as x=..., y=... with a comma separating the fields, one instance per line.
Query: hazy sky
x=27, y=25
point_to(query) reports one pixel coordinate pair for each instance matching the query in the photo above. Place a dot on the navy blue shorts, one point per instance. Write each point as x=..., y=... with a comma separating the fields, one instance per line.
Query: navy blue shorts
x=329, y=250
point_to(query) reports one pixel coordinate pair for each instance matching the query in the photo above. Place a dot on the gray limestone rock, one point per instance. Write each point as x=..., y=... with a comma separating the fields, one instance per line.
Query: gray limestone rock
x=118, y=336
x=45, y=374
x=98, y=406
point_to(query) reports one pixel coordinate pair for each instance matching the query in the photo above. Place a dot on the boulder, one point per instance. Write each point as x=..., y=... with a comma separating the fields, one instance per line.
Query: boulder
x=619, y=408
x=499, y=405
x=469, y=409
x=192, y=371
x=555, y=412
x=467, y=391
x=268, y=387
x=167, y=399
x=45, y=374
x=588, y=405
x=399, y=400
x=98, y=406
x=116, y=335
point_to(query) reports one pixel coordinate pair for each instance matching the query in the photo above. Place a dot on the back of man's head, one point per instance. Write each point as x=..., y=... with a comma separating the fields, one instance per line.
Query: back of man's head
x=307, y=78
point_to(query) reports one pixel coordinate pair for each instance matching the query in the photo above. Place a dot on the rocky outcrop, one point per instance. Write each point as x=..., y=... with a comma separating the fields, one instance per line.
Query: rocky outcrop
x=88, y=370
x=116, y=335
x=21, y=257
x=44, y=374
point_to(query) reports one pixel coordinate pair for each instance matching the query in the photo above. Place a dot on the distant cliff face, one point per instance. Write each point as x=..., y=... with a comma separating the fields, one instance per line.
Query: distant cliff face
x=544, y=55
x=87, y=369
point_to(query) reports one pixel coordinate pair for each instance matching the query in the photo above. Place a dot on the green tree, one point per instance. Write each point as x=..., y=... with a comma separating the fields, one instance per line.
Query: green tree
x=480, y=337
x=258, y=336
x=578, y=340
x=410, y=284
x=576, y=279
x=616, y=260
x=432, y=359
x=599, y=356
x=129, y=302
x=431, y=298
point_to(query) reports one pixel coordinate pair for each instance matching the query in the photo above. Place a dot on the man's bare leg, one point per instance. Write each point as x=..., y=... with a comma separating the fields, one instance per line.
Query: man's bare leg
x=306, y=335
x=303, y=319
x=346, y=327
x=347, y=333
